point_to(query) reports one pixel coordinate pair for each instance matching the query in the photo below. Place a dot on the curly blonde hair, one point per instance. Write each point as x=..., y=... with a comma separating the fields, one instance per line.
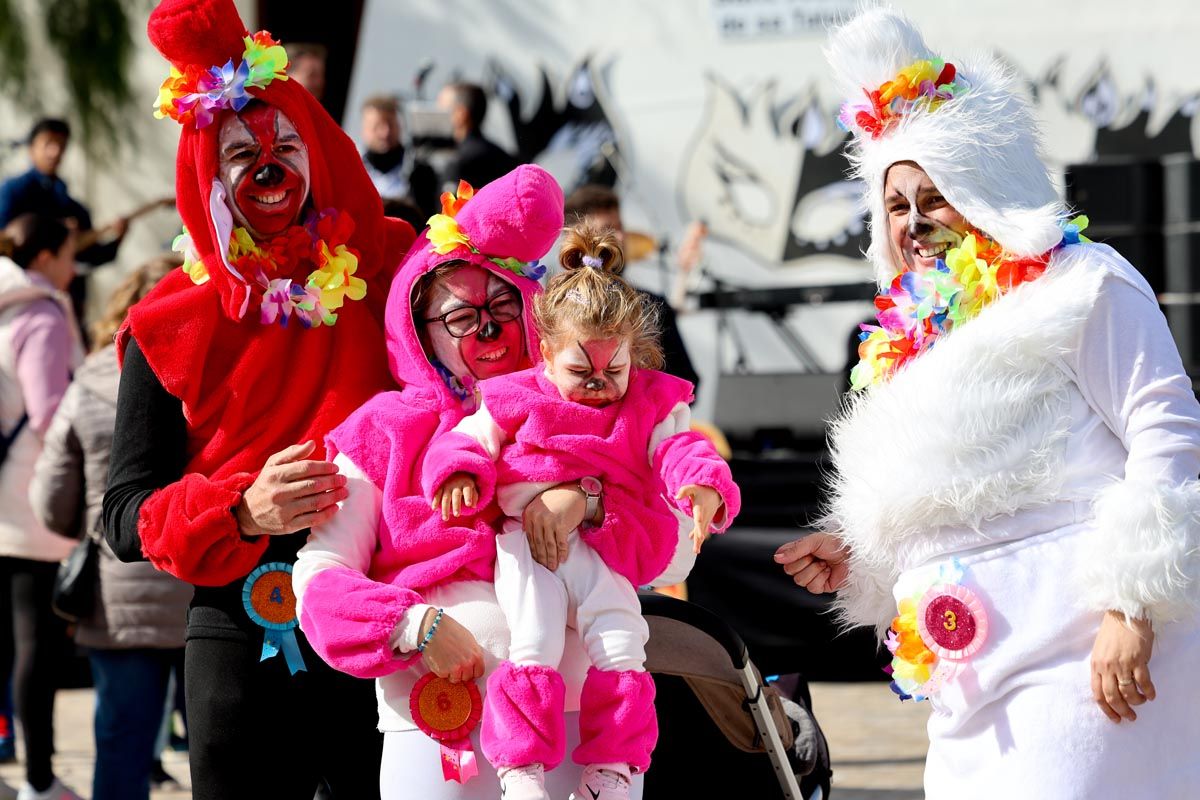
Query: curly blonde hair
x=590, y=299
x=136, y=286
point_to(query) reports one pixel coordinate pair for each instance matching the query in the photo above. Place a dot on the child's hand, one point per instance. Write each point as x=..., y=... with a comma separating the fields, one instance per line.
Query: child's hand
x=706, y=503
x=457, y=492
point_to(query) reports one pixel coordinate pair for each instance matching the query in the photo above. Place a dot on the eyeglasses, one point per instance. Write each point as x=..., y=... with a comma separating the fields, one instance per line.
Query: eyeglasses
x=465, y=320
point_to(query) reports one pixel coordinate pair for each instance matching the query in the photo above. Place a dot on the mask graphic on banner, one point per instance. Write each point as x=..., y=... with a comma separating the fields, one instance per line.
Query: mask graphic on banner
x=264, y=169
x=473, y=324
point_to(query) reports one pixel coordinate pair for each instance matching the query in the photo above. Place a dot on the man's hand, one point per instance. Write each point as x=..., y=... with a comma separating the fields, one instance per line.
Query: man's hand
x=458, y=492
x=291, y=493
x=818, y=562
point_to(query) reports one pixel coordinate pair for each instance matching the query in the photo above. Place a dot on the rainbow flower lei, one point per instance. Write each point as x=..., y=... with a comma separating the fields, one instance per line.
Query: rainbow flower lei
x=445, y=235
x=321, y=241
x=925, y=83
x=195, y=95
x=938, y=629
x=920, y=307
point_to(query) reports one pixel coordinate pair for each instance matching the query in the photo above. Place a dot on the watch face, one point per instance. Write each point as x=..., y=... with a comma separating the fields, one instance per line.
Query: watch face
x=590, y=485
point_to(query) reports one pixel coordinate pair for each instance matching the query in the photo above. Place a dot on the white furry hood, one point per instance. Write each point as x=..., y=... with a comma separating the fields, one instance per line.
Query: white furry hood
x=979, y=148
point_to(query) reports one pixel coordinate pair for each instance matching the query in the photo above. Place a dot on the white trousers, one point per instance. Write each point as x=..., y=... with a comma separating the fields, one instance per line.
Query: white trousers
x=412, y=770
x=583, y=593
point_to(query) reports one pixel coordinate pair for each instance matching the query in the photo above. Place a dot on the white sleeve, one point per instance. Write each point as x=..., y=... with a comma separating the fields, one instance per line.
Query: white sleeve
x=348, y=540
x=1146, y=559
x=678, y=421
x=481, y=427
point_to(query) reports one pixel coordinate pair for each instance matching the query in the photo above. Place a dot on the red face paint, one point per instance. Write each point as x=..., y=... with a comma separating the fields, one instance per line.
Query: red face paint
x=495, y=348
x=592, y=373
x=264, y=168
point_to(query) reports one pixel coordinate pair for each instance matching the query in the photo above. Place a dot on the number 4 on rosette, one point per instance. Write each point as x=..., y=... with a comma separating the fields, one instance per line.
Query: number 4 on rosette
x=270, y=603
x=448, y=713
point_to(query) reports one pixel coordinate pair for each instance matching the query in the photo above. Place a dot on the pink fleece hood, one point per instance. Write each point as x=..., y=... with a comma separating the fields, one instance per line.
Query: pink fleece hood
x=508, y=225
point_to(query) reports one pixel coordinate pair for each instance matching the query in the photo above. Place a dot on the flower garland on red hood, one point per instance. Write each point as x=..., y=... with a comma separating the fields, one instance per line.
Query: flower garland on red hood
x=322, y=242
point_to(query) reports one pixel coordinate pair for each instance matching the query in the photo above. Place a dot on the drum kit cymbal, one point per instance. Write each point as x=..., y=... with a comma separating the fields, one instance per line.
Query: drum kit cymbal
x=639, y=245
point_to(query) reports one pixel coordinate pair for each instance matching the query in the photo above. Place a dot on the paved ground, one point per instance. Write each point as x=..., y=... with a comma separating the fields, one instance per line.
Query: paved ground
x=878, y=744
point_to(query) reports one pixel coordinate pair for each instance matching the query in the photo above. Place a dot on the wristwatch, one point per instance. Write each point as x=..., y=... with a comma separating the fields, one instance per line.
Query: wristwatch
x=592, y=489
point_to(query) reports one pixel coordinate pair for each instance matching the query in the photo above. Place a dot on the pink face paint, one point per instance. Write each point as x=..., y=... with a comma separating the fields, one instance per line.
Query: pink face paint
x=263, y=165
x=495, y=348
x=593, y=373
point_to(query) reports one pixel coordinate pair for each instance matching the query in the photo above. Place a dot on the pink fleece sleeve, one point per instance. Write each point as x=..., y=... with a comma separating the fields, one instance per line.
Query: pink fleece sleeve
x=458, y=452
x=41, y=339
x=349, y=620
x=689, y=458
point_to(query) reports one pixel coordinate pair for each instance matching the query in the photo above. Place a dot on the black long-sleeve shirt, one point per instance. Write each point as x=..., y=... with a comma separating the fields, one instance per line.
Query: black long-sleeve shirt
x=149, y=452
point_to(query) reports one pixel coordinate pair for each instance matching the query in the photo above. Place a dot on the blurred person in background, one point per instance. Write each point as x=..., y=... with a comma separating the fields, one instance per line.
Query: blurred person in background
x=136, y=631
x=477, y=160
x=599, y=206
x=395, y=170
x=39, y=347
x=306, y=66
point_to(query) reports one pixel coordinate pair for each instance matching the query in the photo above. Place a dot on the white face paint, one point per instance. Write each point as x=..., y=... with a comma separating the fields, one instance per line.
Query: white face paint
x=922, y=225
x=593, y=372
x=264, y=167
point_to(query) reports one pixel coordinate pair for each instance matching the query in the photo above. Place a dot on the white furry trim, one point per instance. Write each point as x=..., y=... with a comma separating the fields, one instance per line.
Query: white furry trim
x=980, y=149
x=973, y=430
x=1144, y=557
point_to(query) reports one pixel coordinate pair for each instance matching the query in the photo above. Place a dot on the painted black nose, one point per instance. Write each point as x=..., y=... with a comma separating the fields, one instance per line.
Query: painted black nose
x=917, y=229
x=593, y=384
x=269, y=175
x=490, y=331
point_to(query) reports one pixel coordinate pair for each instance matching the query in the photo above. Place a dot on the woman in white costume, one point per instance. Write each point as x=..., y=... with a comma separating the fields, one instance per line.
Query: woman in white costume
x=1015, y=493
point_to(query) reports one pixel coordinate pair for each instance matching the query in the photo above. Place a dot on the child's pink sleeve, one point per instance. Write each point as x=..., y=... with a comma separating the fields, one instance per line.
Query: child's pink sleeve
x=690, y=458
x=472, y=447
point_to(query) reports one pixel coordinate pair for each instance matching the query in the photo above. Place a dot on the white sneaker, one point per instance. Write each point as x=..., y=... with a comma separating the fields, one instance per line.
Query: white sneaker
x=56, y=792
x=523, y=783
x=600, y=782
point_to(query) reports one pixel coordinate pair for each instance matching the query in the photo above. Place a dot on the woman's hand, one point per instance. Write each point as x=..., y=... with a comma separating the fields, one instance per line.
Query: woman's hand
x=1120, y=665
x=706, y=503
x=452, y=652
x=291, y=493
x=818, y=562
x=549, y=519
x=458, y=492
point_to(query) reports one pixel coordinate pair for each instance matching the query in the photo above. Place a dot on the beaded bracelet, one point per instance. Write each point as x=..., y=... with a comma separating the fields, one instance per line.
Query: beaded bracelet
x=429, y=633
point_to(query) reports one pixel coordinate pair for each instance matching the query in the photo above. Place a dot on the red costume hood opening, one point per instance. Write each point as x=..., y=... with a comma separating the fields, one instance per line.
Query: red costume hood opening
x=250, y=389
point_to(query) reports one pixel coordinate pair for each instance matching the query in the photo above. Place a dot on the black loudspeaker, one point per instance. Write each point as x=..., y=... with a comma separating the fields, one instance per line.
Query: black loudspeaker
x=1181, y=189
x=1141, y=246
x=1123, y=200
x=1118, y=191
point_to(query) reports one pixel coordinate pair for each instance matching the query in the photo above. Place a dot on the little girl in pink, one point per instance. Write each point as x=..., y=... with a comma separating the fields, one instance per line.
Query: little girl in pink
x=596, y=411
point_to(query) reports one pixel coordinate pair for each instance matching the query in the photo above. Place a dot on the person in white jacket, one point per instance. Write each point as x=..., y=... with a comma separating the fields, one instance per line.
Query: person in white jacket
x=39, y=346
x=1015, y=493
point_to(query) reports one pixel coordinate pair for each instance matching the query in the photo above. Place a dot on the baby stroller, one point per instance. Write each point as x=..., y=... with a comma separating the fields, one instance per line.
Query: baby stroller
x=714, y=710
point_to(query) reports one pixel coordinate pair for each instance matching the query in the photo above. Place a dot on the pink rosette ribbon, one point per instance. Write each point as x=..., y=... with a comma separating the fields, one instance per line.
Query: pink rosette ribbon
x=447, y=713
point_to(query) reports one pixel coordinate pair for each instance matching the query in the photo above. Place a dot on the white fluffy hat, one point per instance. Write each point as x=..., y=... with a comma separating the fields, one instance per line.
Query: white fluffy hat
x=980, y=147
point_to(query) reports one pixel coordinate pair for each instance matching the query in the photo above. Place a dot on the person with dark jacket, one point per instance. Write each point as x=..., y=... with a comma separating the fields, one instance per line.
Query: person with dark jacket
x=478, y=160
x=135, y=632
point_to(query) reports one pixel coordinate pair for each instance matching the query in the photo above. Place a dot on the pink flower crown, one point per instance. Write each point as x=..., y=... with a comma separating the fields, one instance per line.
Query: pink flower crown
x=196, y=94
x=445, y=235
x=923, y=84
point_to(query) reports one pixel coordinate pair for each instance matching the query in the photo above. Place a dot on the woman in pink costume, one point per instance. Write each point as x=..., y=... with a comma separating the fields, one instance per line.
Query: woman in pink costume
x=597, y=407
x=369, y=582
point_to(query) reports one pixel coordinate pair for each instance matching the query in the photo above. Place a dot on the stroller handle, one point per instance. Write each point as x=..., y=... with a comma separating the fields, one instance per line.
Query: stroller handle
x=658, y=605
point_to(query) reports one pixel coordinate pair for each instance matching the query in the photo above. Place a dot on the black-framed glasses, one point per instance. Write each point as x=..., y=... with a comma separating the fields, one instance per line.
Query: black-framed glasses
x=465, y=320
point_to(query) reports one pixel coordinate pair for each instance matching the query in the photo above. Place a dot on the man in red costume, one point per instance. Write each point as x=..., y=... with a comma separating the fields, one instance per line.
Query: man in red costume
x=234, y=369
